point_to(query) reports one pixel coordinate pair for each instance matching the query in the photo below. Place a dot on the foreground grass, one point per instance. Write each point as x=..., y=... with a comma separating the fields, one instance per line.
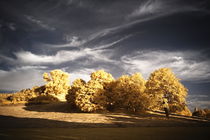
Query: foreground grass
x=134, y=133
x=56, y=122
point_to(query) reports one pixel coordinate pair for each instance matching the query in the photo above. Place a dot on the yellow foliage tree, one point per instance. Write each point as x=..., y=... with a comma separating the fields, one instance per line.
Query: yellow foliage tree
x=107, y=81
x=92, y=96
x=102, y=77
x=71, y=96
x=57, y=83
x=163, y=83
x=128, y=93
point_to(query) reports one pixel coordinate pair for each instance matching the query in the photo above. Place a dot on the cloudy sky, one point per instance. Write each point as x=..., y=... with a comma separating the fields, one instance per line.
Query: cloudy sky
x=119, y=36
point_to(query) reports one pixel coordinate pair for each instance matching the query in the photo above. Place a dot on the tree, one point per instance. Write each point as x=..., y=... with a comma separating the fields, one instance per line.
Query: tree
x=91, y=96
x=163, y=83
x=71, y=96
x=57, y=83
x=102, y=77
x=107, y=81
x=128, y=93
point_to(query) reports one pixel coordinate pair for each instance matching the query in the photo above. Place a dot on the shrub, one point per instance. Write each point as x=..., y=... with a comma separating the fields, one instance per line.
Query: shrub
x=43, y=99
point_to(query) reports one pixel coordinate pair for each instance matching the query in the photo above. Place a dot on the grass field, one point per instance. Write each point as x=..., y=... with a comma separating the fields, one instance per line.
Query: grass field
x=55, y=121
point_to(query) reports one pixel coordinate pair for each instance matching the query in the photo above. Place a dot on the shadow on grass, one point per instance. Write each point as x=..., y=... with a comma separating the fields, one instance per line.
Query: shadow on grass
x=35, y=128
x=16, y=122
x=153, y=121
x=61, y=107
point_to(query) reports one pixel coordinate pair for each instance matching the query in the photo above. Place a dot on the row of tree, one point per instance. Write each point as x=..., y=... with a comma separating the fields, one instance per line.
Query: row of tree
x=130, y=92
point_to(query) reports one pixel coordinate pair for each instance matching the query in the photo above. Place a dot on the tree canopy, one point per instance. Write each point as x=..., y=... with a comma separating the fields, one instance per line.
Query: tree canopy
x=91, y=96
x=128, y=92
x=57, y=84
x=163, y=83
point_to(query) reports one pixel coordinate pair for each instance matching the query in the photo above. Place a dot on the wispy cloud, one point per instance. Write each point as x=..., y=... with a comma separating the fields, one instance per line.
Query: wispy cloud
x=12, y=26
x=147, y=11
x=77, y=42
x=106, y=46
x=73, y=41
x=39, y=22
x=148, y=7
x=185, y=64
x=158, y=8
x=31, y=68
x=26, y=57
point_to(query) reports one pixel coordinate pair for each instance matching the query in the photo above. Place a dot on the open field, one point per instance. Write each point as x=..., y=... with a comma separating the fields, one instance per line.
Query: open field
x=57, y=121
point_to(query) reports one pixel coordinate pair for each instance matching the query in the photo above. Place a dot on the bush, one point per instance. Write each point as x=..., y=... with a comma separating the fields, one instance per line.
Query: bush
x=43, y=99
x=199, y=113
x=202, y=113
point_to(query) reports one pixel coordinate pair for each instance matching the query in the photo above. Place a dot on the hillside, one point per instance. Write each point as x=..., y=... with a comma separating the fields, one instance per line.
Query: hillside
x=59, y=115
x=57, y=121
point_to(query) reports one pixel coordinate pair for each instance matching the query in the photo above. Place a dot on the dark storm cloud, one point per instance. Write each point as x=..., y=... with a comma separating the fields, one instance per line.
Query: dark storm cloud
x=65, y=15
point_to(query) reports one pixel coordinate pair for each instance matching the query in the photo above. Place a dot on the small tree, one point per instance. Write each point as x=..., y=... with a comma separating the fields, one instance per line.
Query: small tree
x=57, y=83
x=128, y=92
x=163, y=83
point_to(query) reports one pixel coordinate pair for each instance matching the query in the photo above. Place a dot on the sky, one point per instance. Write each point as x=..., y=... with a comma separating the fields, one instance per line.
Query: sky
x=119, y=36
